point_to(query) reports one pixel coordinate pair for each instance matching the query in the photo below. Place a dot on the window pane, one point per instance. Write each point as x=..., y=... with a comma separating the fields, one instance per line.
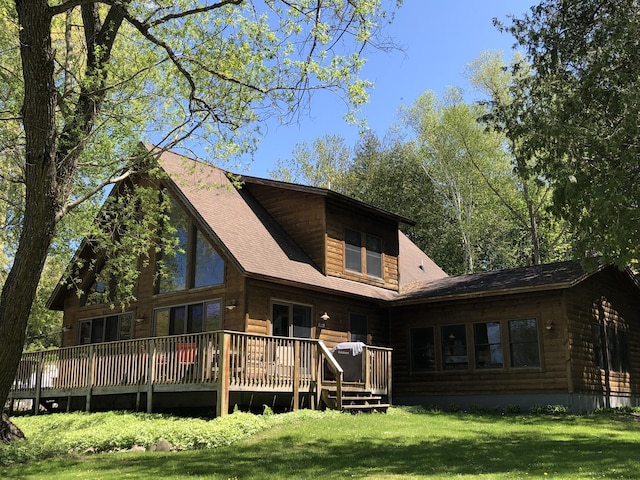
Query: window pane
x=358, y=327
x=97, y=330
x=196, y=318
x=423, y=349
x=353, y=253
x=374, y=256
x=301, y=321
x=162, y=322
x=178, y=321
x=280, y=316
x=212, y=321
x=488, y=345
x=111, y=330
x=175, y=265
x=209, y=267
x=85, y=332
x=126, y=326
x=613, y=357
x=454, y=347
x=523, y=340
x=598, y=351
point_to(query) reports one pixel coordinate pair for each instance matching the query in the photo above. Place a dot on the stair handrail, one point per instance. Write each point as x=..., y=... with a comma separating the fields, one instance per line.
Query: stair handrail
x=335, y=368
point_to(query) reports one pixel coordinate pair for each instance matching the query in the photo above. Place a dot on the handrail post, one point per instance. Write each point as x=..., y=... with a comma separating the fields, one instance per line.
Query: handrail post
x=296, y=375
x=89, y=378
x=151, y=372
x=222, y=403
x=389, y=374
x=38, y=385
x=366, y=363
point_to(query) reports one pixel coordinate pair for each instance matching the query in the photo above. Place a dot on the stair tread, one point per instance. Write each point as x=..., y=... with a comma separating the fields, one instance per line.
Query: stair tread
x=374, y=406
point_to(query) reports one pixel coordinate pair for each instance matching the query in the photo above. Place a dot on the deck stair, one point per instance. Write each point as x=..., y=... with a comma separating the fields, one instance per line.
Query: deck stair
x=354, y=399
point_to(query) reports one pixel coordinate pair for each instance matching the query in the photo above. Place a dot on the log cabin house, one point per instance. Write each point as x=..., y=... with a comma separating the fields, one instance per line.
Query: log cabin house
x=295, y=296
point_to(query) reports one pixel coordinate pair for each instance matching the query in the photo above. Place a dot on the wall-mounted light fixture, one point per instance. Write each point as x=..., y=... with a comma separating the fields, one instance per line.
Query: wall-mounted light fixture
x=549, y=325
x=324, y=317
x=231, y=305
x=66, y=328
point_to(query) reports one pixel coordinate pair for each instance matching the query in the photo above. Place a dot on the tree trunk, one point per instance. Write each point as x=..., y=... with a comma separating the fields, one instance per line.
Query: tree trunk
x=42, y=186
x=8, y=431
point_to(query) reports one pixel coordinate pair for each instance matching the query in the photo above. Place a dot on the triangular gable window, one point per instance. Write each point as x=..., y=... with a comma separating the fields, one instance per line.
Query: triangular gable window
x=195, y=262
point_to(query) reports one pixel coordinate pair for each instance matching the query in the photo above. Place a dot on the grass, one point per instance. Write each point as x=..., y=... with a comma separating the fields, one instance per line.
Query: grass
x=403, y=444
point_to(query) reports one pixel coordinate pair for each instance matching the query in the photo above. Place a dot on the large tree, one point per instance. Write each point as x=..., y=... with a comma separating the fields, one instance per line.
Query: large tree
x=530, y=207
x=578, y=115
x=467, y=164
x=82, y=81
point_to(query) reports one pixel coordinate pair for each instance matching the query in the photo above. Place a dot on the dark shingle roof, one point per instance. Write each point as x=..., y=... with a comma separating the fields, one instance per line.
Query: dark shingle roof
x=524, y=279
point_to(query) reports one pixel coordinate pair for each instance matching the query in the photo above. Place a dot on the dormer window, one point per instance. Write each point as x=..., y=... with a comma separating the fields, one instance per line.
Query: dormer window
x=362, y=249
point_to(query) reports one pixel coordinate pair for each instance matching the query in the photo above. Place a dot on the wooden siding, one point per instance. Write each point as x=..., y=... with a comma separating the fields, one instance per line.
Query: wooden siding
x=603, y=298
x=301, y=215
x=231, y=291
x=551, y=376
x=337, y=220
x=261, y=295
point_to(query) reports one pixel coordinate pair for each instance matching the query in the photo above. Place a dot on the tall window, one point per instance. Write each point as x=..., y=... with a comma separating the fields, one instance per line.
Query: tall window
x=195, y=262
x=610, y=347
x=454, y=347
x=354, y=252
x=106, y=329
x=191, y=318
x=175, y=265
x=353, y=247
x=423, y=349
x=358, y=327
x=488, y=345
x=374, y=256
x=523, y=343
x=291, y=320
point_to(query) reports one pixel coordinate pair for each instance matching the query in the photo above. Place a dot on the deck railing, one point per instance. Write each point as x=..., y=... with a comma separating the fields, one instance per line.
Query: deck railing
x=223, y=361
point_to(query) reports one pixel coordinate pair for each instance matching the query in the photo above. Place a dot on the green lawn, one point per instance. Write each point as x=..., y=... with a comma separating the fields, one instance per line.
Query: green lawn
x=403, y=444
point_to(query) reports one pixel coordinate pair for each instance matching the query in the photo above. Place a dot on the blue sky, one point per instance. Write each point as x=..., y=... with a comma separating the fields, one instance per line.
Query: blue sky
x=438, y=37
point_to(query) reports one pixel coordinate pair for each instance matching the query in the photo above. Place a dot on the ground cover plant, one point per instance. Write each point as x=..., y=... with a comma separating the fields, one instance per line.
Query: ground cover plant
x=405, y=443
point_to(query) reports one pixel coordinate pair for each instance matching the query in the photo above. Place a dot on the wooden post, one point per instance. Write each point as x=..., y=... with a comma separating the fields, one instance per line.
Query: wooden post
x=222, y=403
x=87, y=405
x=36, y=401
x=296, y=375
x=389, y=379
x=366, y=365
x=151, y=372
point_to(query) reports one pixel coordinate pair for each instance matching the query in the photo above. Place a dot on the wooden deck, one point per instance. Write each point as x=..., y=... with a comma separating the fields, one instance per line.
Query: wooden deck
x=222, y=363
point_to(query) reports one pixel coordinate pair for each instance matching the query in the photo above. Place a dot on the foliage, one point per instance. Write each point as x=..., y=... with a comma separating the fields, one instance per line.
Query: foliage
x=466, y=164
x=530, y=206
x=577, y=114
x=407, y=442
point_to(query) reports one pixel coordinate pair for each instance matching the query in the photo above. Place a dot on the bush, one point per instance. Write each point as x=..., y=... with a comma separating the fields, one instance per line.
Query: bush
x=64, y=433
x=549, y=410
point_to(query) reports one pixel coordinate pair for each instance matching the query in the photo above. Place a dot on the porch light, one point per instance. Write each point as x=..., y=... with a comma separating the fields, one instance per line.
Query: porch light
x=325, y=316
x=66, y=328
x=231, y=305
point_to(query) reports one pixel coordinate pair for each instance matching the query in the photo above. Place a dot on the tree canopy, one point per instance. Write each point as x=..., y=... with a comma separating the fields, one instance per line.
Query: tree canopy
x=577, y=114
